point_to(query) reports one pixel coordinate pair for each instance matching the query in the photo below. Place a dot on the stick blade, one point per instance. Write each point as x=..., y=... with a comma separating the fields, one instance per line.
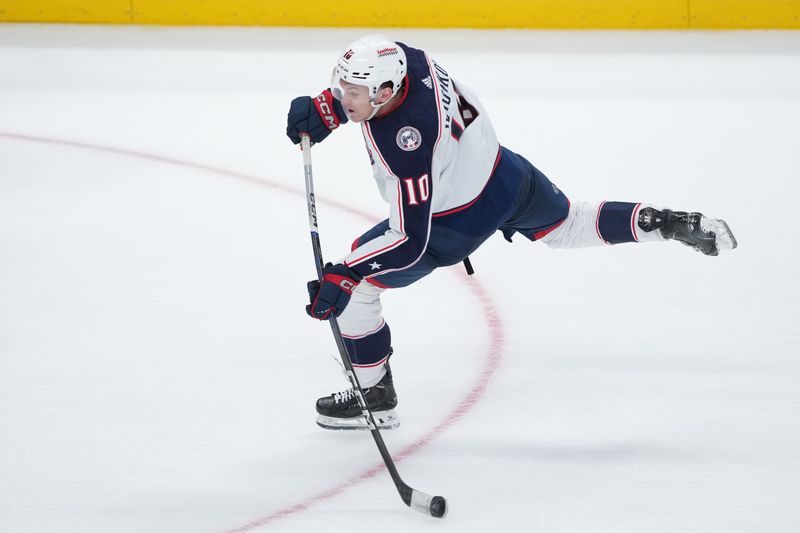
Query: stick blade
x=435, y=506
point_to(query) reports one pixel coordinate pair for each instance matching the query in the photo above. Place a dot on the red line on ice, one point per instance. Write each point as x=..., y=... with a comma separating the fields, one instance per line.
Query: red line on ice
x=473, y=396
x=476, y=392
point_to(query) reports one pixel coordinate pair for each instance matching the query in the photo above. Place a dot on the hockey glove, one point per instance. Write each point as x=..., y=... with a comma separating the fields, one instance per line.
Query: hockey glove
x=332, y=295
x=316, y=116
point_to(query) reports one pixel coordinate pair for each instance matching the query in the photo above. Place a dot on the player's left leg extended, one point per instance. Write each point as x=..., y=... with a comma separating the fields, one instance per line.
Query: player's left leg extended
x=545, y=214
x=593, y=224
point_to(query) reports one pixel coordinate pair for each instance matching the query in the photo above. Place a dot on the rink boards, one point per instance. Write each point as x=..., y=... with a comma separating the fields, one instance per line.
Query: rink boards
x=550, y=14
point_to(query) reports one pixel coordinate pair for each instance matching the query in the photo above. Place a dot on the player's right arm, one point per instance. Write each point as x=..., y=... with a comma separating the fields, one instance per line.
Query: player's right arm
x=317, y=117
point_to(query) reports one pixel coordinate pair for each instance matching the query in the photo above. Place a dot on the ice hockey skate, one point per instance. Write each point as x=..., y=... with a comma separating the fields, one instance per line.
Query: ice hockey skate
x=706, y=235
x=340, y=410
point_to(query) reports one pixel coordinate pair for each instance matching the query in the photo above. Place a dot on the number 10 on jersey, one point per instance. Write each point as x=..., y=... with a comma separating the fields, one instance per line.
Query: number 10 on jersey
x=417, y=190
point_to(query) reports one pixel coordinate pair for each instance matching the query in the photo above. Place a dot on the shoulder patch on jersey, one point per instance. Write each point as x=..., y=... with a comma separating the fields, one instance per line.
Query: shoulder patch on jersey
x=409, y=138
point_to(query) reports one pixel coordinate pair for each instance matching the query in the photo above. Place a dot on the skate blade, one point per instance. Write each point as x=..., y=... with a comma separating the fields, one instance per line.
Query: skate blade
x=383, y=419
x=724, y=236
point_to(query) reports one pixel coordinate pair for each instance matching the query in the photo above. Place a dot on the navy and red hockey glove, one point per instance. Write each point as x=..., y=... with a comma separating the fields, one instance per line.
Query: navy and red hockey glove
x=316, y=116
x=332, y=295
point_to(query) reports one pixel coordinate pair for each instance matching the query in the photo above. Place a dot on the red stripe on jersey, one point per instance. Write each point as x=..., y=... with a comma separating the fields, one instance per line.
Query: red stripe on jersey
x=375, y=145
x=434, y=79
x=376, y=252
x=377, y=283
x=403, y=96
x=465, y=206
x=400, y=207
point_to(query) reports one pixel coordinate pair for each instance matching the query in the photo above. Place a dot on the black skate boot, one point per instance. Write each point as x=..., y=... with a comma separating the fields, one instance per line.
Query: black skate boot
x=707, y=235
x=340, y=410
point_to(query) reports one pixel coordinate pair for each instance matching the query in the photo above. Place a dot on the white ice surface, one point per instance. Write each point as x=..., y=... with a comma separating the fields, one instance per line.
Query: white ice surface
x=158, y=374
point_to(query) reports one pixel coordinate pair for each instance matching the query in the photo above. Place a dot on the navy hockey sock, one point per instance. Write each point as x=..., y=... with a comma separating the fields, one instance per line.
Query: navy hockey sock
x=616, y=222
x=369, y=353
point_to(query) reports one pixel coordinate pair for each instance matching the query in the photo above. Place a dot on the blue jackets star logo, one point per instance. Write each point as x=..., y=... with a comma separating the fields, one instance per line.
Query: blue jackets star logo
x=375, y=265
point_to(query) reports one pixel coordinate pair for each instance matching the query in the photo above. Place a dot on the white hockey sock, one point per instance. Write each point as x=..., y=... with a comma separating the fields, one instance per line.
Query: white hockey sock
x=370, y=375
x=597, y=224
x=647, y=236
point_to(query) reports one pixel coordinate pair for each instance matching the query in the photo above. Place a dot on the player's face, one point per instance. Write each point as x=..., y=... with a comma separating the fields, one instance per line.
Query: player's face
x=355, y=101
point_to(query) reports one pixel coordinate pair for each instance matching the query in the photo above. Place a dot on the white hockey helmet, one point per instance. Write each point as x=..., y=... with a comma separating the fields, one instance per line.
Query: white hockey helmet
x=370, y=61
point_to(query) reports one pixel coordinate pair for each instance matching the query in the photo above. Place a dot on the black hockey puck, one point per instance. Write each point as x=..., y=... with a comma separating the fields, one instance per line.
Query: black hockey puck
x=438, y=507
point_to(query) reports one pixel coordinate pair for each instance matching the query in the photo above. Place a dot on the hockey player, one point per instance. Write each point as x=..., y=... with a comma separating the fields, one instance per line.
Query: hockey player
x=450, y=185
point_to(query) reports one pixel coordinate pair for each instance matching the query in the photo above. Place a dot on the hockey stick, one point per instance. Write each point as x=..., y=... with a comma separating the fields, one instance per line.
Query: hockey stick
x=435, y=506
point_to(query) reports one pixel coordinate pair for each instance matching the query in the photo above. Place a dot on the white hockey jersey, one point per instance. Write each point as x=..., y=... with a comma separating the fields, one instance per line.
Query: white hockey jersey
x=431, y=157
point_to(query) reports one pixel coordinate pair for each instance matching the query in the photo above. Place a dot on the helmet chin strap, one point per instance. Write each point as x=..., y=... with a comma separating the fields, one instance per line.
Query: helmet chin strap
x=376, y=108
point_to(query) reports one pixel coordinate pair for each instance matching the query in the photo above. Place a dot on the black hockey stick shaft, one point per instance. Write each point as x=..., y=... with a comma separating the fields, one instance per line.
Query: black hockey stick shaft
x=435, y=506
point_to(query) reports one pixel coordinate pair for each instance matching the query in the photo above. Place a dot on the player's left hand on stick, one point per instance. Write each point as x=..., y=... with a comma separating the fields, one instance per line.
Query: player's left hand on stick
x=316, y=116
x=331, y=296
